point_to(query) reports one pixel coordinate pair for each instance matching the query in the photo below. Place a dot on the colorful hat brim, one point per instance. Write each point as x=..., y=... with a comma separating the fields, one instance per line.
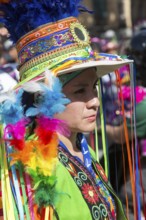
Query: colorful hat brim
x=103, y=67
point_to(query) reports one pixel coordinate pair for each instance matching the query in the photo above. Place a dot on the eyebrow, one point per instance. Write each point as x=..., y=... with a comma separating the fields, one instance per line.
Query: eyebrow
x=84, y=84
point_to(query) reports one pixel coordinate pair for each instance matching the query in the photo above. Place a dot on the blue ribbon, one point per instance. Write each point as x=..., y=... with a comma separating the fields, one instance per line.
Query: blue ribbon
x=16, y=190
x=82, y=142
x=83, y=145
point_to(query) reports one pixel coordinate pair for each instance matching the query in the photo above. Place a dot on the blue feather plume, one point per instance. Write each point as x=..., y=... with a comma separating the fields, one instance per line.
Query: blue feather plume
x=51, y=100
x=11, y=110
x=20, y=17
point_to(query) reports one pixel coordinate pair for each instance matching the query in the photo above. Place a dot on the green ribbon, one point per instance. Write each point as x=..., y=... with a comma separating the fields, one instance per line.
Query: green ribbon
x=65, y=78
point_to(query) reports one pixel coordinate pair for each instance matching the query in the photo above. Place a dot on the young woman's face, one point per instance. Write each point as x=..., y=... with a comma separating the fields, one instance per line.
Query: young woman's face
x=80, y=114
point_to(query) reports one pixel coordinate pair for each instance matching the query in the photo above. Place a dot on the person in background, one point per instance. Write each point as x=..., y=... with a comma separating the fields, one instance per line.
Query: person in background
x=111, y=46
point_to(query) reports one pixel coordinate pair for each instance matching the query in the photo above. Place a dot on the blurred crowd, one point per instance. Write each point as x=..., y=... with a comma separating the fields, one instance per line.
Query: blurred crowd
x=124, y=100
x=9, y=74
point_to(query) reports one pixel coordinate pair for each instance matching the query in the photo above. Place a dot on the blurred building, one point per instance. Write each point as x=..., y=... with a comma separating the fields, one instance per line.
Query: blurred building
x=138, y=11
x=114, y=14
x=88, y=19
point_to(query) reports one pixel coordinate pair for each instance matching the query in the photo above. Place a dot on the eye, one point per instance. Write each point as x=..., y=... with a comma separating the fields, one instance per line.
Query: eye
x=82, y=90
x=96, y=86
x=96, y=89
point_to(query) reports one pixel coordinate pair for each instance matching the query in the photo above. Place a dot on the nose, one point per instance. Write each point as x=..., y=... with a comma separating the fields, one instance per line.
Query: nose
x=93, y=103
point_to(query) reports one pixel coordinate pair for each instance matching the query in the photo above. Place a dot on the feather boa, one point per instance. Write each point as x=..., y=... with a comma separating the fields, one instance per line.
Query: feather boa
x=38, y=156
x=15, y=134
x=46, y=127
x=50, y=99
x=40, y=162
x=11, y=110
x=20, y=17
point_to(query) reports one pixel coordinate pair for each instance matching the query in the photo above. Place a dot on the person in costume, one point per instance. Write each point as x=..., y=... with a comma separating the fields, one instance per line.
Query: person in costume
x=48, y=171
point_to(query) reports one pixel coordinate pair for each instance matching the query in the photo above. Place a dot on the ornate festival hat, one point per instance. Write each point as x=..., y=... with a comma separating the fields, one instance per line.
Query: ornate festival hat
x=49, y=35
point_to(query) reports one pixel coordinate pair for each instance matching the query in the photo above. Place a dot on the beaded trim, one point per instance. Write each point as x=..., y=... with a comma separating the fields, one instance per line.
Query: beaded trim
x=50, y=55
x=39, y=67
x=43, y=31
x=43, y=45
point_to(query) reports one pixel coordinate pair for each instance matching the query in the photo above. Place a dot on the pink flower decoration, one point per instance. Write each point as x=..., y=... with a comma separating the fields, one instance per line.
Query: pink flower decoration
x=126, y=93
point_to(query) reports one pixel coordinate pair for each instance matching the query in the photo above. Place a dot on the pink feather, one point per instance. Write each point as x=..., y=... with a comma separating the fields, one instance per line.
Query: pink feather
x=54, y=125
x=15, y=133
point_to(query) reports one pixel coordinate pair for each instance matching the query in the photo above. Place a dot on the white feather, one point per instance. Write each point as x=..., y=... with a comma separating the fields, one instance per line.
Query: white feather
x=7, y=96
x=32, y=87
x=50, y=78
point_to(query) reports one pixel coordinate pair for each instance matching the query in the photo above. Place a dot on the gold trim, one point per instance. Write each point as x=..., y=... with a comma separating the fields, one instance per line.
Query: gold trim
x=84, y=32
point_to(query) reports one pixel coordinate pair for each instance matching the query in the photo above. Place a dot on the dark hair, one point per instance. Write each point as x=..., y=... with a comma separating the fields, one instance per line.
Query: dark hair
x=27, y=100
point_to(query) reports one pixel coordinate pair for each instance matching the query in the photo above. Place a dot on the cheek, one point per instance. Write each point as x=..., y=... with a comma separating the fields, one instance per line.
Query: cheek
x=72, y=113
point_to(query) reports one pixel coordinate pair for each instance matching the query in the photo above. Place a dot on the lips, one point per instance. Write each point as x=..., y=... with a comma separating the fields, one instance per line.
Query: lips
x=91, y=118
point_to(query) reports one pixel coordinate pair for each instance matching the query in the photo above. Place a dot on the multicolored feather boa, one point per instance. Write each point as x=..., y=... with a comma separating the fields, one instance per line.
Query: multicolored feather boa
x=28, y=162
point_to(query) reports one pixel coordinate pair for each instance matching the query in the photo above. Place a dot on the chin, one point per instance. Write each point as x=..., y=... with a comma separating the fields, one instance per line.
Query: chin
x=89, y=128
x=85, y=127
